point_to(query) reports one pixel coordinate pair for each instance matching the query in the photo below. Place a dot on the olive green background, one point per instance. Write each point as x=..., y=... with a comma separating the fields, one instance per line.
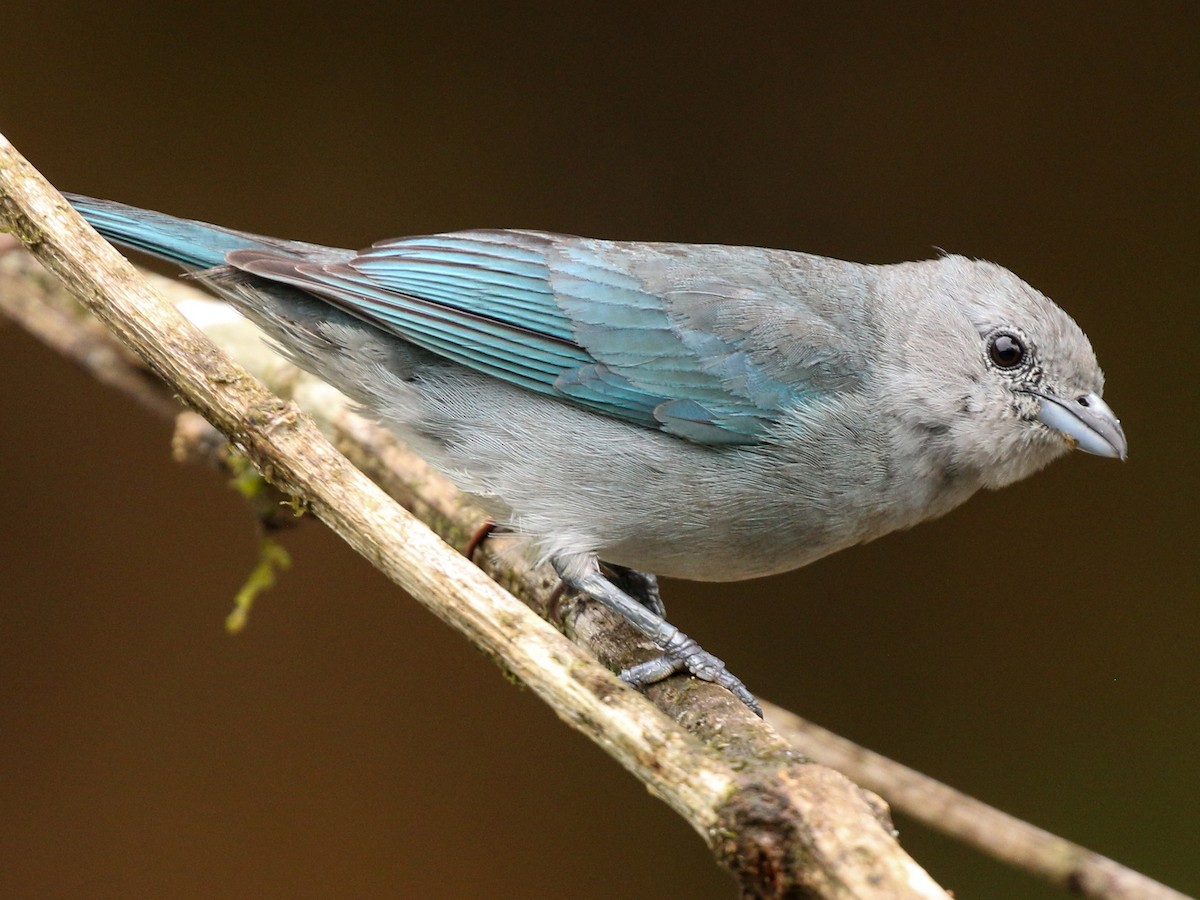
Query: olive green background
x=1037, y=648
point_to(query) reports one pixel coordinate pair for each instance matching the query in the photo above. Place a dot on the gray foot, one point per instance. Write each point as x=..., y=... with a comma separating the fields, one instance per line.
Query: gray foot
x=680, y=652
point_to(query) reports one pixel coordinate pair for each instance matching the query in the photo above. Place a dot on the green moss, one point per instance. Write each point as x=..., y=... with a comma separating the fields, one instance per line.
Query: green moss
x=246, y=479
x=272, y=558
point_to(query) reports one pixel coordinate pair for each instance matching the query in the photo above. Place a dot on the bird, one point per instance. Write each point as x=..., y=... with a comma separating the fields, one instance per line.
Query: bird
x=631, y=410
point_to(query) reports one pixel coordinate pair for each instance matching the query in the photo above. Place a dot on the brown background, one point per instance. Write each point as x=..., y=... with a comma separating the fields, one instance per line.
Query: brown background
x=1037, y=648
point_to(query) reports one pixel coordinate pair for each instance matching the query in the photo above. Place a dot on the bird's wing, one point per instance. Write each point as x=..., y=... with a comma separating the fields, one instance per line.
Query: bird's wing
x=649, y=333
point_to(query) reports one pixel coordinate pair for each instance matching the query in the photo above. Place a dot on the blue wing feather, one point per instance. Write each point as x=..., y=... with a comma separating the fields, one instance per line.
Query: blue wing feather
x=646, y=333
x=465, y=337
x=576, y=329
x=552, y=315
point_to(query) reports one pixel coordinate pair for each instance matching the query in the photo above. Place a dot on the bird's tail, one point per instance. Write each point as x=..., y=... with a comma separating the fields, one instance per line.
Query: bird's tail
x=191, y=244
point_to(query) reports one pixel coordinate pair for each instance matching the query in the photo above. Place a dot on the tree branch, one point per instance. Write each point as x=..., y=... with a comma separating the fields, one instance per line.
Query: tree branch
x=784, y=827
x=1021, y=845
x=44, y=308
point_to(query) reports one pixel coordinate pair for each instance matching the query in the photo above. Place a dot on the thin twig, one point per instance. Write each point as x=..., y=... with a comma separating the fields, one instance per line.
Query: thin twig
x=81, y=338
x=998, y=834
x=782, y=826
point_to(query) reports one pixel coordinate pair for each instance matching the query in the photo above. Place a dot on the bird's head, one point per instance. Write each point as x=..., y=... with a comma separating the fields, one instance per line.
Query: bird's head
x=1022, y=374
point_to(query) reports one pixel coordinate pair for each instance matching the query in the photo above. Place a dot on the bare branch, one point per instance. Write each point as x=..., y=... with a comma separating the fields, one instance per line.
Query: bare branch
x=1023, y=846
x=77, y=336
x=782, y=826
x=43, y=307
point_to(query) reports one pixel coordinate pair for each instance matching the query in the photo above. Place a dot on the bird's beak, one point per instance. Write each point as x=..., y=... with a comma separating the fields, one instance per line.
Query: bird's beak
x=1085, y=422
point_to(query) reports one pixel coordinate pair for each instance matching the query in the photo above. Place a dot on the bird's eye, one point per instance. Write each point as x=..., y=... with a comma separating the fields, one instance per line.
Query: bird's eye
x=1006, y=350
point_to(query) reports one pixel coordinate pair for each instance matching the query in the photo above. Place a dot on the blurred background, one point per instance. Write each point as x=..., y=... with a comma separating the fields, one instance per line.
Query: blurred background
x=1037, y=648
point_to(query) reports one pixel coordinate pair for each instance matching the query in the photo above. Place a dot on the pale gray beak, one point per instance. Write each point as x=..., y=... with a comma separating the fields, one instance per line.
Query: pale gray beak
x=1086, y=422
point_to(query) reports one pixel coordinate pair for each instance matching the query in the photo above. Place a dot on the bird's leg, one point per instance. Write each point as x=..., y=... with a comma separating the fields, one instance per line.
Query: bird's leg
x=641, y=586
x=679, y=651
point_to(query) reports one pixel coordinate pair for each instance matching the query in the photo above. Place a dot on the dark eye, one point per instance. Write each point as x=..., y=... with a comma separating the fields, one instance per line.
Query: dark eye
x=1006, y=350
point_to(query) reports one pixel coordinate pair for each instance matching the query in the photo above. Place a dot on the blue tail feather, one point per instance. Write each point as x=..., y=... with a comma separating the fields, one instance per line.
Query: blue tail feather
x=194, y=245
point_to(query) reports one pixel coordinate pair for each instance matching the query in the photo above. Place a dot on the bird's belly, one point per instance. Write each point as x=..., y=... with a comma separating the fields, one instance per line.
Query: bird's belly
x=719, y=557
x=706, y=527
x=575, y=483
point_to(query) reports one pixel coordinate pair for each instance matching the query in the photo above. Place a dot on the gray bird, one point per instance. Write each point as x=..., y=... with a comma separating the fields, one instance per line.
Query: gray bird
x=699, y=411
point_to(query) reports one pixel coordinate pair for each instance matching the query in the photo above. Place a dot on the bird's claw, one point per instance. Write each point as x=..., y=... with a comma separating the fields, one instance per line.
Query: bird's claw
x=651, y=671
x=642, y=610
x=683, y=653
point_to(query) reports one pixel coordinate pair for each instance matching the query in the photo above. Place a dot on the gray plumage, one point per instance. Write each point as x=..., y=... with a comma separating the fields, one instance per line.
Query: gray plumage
x=705, y=412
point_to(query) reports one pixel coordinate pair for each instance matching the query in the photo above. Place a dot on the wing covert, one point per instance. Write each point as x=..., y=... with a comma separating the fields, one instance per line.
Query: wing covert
x=642, y=332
